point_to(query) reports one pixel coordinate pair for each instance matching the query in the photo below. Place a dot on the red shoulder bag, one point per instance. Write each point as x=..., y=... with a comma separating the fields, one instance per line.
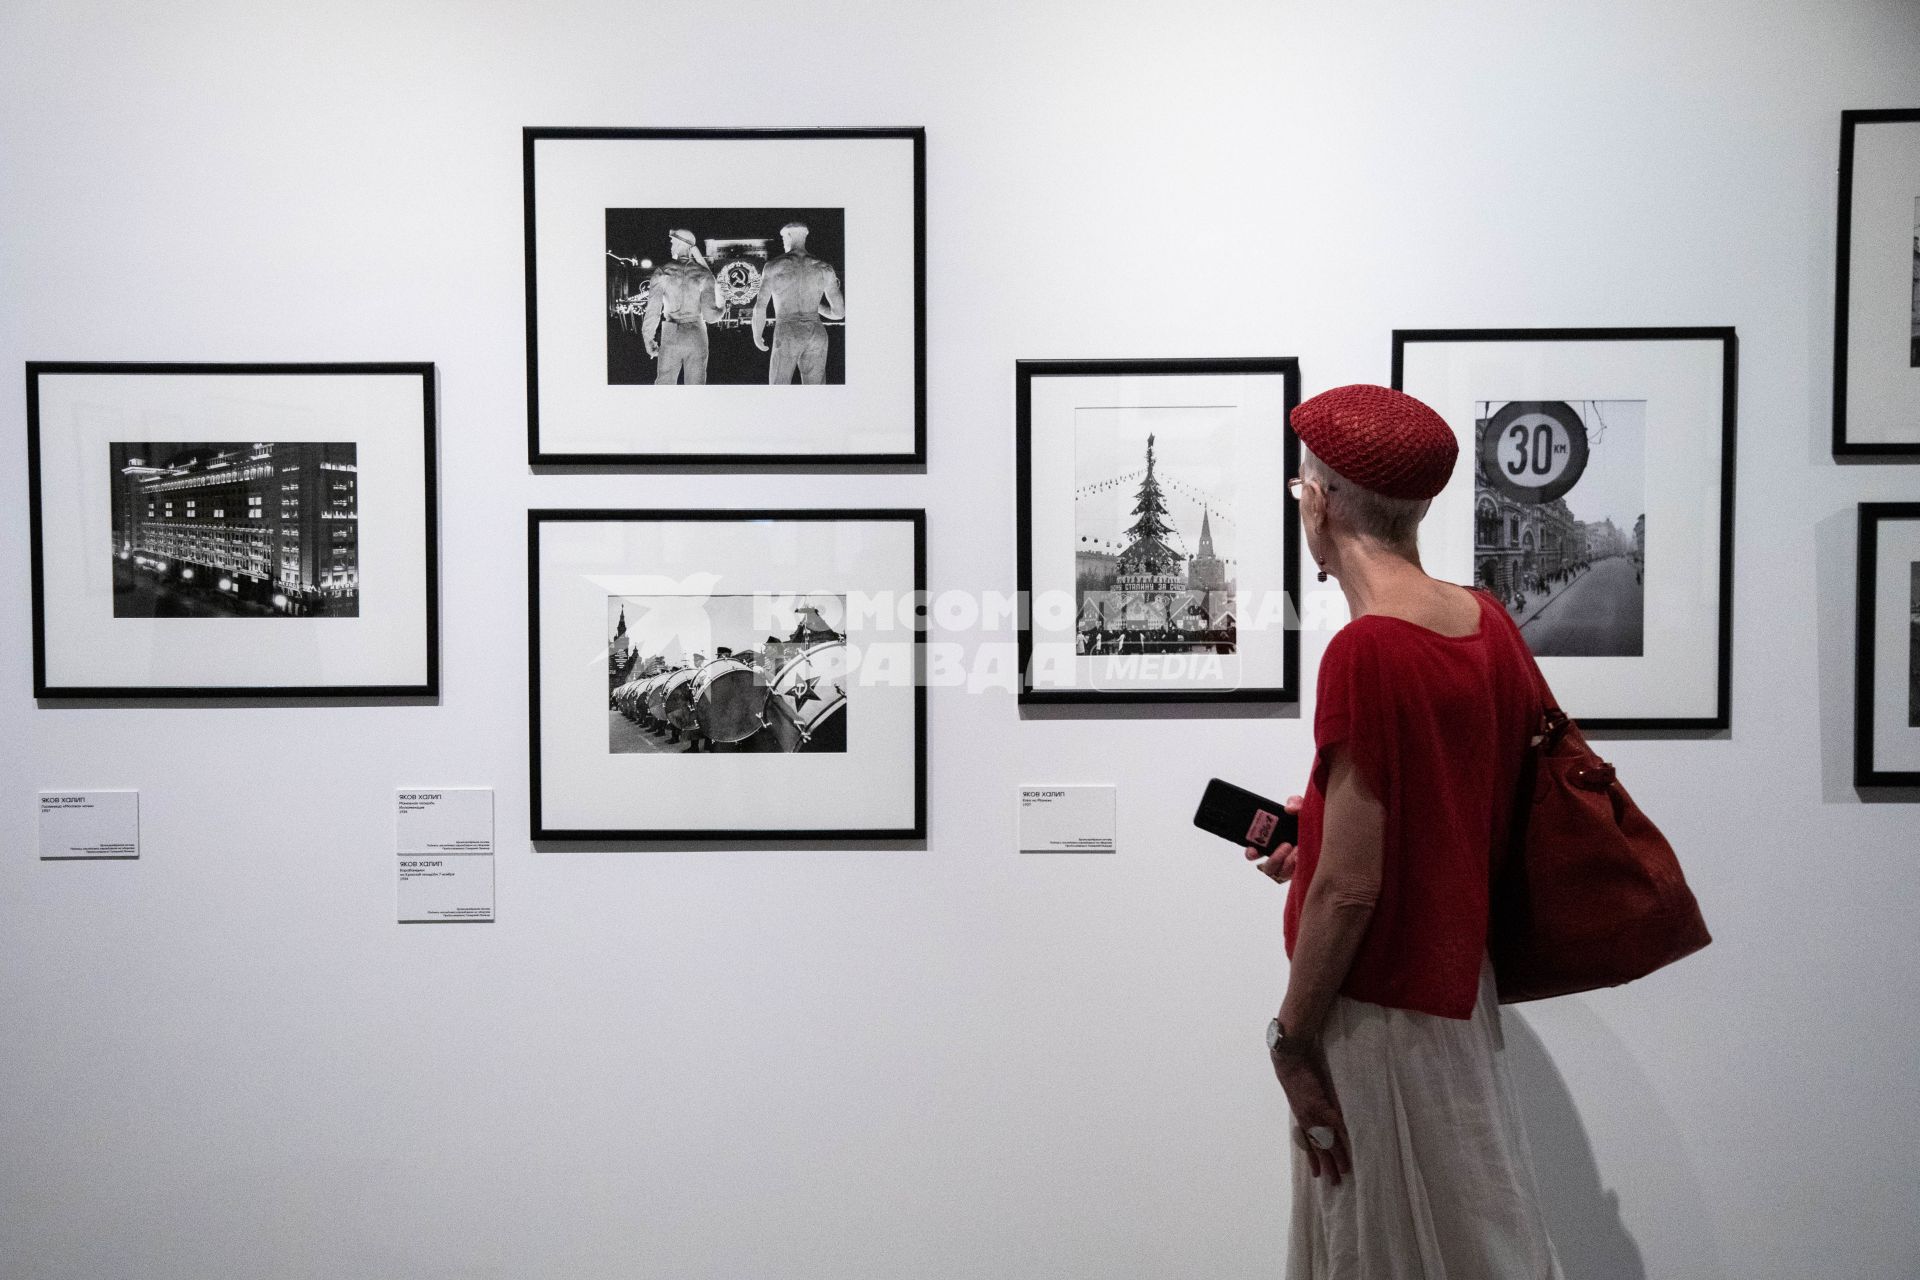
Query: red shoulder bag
x=1589, y=894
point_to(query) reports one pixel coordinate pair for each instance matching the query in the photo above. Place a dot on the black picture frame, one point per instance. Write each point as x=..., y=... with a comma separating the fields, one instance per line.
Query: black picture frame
x=538, y=518
x=540, y=456
x=426, y=688
x=1025, y=372
x=1843, y=447
x=1721, y=718
x=1866, y=774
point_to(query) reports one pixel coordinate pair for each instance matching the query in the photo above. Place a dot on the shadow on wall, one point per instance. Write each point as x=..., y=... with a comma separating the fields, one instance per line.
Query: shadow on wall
x=1583, y=1216
x=1583, y=1213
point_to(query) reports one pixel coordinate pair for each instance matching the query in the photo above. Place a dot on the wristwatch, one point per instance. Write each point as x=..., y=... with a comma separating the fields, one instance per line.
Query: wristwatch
x=1279, y=1042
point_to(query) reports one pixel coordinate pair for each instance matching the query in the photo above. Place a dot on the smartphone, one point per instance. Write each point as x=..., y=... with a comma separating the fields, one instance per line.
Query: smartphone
x=1236, y=814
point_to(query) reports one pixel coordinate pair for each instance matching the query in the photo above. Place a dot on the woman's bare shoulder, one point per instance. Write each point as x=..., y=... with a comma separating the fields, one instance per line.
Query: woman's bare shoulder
x=1445, y=609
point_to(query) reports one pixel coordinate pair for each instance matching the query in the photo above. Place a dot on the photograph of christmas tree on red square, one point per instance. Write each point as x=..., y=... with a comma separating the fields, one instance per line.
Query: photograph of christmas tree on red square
x=1153, y=531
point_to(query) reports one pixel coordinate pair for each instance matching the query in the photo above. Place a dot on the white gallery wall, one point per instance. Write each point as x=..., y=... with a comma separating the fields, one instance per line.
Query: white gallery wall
x=226, y=1059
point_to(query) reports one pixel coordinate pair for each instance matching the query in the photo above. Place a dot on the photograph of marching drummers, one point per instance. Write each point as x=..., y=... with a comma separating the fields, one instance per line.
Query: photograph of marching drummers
x=731, y=673
x=726, y=296
x=692, y=674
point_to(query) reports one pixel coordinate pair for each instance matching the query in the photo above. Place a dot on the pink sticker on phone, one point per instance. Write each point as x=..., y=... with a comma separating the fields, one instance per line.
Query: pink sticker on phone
x=1264, y=821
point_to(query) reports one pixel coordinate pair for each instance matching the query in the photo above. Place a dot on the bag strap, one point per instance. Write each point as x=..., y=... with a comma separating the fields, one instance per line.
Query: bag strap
x=1550, y=722
x=1550, y=725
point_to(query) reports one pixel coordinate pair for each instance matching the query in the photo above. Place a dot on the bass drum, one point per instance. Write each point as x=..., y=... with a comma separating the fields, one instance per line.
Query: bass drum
x=809, y=699
x=654, y=694
x=728, y=698
x=676, y=699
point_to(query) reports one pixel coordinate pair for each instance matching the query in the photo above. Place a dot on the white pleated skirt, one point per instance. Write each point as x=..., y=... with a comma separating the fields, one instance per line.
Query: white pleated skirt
x=1442, y=1186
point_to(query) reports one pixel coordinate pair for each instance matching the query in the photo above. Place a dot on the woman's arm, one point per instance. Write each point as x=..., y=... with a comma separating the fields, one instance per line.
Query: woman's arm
x=1339, y=902
x=1333, y=920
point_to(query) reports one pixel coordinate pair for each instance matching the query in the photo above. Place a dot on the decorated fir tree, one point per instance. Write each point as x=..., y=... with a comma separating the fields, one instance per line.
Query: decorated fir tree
x=1147, y=551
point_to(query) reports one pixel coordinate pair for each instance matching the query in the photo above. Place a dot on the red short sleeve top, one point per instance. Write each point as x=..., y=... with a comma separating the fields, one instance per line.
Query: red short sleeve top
x=1438, y=726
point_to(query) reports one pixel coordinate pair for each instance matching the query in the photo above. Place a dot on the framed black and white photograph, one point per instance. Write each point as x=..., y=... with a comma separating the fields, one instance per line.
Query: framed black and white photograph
x=1156, y=538
x=725, y=295
x=1876, y=319
x=259, y=530
x=1886, y=715
x=713, y=675
x=1594, y=498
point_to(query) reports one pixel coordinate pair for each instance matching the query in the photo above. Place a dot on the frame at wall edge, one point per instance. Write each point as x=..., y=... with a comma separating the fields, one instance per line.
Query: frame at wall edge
x=1888, y=451
x=1868, y=520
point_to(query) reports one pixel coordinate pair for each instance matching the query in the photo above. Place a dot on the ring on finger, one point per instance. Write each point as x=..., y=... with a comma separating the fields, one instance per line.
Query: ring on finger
x=1322, y=1137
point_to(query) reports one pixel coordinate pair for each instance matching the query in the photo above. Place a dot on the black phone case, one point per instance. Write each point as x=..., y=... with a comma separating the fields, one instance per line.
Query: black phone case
x=1236, y=814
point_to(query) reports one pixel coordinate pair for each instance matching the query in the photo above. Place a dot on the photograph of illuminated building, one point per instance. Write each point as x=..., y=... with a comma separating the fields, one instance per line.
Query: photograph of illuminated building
x=235, y=530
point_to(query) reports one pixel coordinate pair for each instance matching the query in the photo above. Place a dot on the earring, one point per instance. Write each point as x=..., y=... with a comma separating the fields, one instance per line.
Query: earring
x=1323, y=571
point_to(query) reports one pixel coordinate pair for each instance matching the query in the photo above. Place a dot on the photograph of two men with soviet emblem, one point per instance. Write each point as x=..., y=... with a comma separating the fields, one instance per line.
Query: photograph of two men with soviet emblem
x=735, y=264
x=726, y=297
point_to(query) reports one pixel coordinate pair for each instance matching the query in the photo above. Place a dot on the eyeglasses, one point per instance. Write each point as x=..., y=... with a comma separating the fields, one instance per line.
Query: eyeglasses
x=1297, y=485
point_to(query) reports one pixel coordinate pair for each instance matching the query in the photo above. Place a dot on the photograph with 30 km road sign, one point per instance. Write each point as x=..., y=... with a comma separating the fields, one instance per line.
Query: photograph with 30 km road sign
x=730, y=673
x=1560, y=525
x=726, y=296
x=1594, y=498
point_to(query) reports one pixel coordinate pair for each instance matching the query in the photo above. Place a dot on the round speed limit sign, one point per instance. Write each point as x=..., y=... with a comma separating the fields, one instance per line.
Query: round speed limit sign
x=1534, y=450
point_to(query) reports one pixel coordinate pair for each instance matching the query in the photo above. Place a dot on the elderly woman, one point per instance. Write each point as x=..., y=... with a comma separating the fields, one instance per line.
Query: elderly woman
x=1410, y=1160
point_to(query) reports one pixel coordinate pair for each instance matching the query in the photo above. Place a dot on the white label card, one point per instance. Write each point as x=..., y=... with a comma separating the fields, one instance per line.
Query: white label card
x=1066, y=819
x=444, y=843
x=89, y=824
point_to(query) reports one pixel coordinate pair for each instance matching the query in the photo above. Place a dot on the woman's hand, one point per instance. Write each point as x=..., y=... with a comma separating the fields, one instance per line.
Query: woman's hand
x=1310, y=1093
x=1278, y=865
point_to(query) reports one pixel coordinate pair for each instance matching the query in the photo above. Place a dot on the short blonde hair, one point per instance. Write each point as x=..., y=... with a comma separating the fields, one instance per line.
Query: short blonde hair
x=1393, y=522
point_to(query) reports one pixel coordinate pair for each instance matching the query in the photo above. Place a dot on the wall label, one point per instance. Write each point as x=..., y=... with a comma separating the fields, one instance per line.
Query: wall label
x=1063, y=819
x=89, y=824
x=444, y=842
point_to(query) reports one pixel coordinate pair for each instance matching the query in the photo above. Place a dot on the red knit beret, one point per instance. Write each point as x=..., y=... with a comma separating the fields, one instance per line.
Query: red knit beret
x=1379, y=439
